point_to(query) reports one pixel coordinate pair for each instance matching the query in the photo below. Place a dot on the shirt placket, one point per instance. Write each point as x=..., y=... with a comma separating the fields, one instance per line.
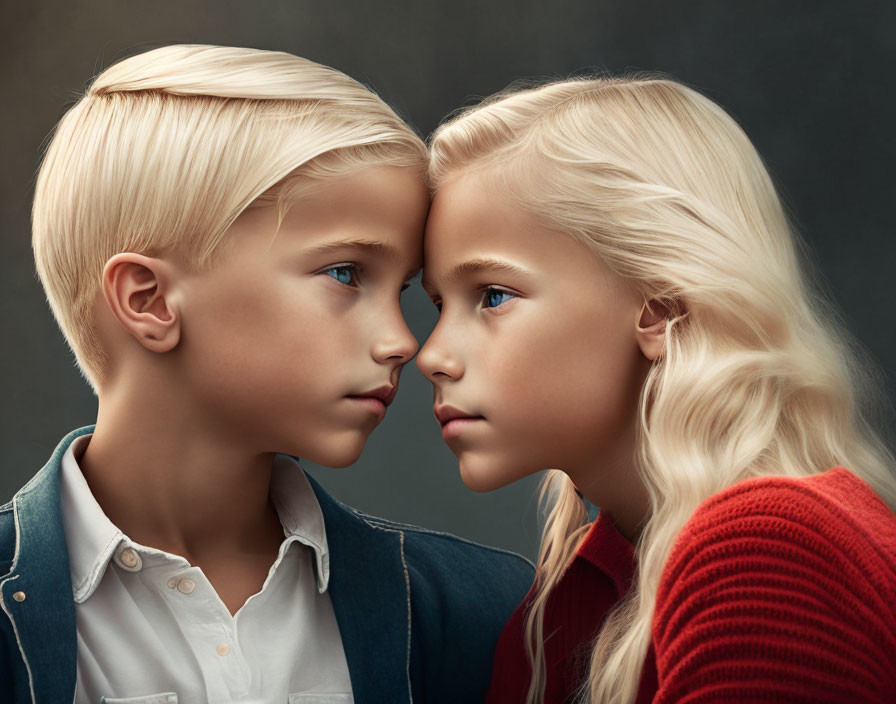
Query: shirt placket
x=212, y=634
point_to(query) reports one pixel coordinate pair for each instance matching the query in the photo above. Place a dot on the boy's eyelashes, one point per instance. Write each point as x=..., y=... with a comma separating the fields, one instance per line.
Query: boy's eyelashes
x=348, y=274
x=494, y=297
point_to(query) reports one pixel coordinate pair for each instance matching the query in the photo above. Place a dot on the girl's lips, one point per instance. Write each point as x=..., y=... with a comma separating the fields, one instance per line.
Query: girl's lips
x=454, y=427
x=454, y=421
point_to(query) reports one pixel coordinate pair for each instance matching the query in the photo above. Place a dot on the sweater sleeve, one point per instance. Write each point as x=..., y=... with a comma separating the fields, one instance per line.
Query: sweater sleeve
x=773, y=592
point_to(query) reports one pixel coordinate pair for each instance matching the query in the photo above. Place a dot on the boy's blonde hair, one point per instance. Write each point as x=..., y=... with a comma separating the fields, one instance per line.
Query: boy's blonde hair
x=166, y=148
x=758, y=375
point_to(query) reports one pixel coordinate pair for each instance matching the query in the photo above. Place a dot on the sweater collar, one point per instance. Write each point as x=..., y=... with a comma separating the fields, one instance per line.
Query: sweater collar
x=608, y=550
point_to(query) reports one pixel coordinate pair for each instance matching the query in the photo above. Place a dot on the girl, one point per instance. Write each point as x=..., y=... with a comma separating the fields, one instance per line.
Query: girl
x=622, y=298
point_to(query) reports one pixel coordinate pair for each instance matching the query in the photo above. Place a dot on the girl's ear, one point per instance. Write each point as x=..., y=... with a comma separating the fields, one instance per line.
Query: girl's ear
x=651, y=329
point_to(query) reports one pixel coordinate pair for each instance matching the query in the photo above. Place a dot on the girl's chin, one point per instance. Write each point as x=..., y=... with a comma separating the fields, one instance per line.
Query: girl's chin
x=481, y=476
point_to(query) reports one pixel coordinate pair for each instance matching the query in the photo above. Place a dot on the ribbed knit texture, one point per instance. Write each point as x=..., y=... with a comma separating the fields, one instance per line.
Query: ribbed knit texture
x=781, y=589
x=777, y=590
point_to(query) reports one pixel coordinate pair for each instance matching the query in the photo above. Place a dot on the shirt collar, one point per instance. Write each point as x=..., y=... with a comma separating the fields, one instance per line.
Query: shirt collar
x=300, y=513
x=93, y=539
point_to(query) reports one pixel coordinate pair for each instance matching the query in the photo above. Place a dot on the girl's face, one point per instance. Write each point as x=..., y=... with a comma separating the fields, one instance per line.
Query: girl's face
x=537, y=346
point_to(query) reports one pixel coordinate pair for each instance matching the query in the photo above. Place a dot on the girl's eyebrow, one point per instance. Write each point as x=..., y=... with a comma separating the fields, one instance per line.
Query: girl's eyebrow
x=477, y=266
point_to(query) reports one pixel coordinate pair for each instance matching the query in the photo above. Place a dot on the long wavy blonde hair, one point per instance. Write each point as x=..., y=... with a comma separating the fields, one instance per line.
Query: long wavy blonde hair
x=758, y=376
x=166, y=148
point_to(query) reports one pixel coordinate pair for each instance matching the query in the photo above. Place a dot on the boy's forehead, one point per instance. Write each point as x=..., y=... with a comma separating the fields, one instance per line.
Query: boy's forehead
x=391, y=252
x=376, y=214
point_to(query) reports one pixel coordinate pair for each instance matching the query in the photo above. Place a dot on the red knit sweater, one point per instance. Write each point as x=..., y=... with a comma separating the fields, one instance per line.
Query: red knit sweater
x=777, y=589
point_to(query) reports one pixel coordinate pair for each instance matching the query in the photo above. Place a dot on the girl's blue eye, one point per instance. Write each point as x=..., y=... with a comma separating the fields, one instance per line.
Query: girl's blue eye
x=495, y=297
x=343, y=274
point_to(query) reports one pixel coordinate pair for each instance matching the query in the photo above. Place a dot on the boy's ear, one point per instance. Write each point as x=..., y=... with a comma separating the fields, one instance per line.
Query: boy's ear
x=138, y=291
x=651, y=329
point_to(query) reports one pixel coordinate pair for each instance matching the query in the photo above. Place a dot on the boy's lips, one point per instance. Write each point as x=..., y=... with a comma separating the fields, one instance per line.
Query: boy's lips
x=376, y=400
x=384, y=394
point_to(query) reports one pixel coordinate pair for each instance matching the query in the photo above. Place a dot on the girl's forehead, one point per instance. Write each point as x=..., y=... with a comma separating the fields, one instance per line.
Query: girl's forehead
x=475, y=230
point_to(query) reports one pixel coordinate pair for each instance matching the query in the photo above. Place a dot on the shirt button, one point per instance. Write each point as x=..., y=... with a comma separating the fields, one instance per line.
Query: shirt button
x=186, y=585
x=128, y=559
x=19, y=596
x=223, y=649
x=172, y=583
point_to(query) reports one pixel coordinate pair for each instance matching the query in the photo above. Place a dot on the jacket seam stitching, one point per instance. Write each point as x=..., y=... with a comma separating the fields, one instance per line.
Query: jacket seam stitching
x=407, y=591
x=15, y=554
x=15, y=630
x=407, y=588
x=15, y=563
x=12, y=621
x=385, y=525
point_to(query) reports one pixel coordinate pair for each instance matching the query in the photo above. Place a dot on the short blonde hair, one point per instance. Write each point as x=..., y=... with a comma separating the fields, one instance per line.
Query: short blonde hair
x=166, y=148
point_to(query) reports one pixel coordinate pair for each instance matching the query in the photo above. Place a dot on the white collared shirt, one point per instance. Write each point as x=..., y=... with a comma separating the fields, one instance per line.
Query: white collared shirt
x=152, y=629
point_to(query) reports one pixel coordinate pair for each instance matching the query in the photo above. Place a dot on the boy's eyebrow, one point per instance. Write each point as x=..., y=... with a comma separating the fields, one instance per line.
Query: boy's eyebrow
x=476, y=266
x=382, y=249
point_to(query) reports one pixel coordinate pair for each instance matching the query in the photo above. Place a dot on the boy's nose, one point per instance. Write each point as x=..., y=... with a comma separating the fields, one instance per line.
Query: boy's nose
x=396, y=344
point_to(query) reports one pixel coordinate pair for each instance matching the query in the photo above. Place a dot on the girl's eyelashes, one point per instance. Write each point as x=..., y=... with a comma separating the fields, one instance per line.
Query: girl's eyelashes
x=346, y=274
x=491, y=297
x=495, y=297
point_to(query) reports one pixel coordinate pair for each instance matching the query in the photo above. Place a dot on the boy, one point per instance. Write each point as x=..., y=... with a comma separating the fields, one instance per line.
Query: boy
x=223, y=235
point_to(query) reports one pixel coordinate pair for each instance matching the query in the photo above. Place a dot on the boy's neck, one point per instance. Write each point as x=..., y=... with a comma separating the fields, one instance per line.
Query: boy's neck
x=179, y=486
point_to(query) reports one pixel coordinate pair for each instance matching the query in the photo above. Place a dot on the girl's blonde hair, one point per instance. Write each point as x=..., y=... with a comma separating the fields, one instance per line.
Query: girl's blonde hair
x=758, y=375
x=166, y=148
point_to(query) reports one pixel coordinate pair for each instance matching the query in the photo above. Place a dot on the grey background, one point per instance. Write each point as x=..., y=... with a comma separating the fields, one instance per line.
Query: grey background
x=811, y=82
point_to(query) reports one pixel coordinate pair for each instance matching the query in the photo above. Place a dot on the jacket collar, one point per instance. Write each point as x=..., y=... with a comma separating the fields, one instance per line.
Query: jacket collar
x=370, y=592
x=368, y=583
x=44, y=621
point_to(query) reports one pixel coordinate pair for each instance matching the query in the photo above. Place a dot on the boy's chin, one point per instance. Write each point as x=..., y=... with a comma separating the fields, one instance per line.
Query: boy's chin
x=338, y=460
x=337, y=454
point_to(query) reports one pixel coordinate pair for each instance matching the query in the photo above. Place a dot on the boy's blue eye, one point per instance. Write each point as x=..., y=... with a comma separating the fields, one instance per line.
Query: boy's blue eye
x=343, y=274
x=495, y=297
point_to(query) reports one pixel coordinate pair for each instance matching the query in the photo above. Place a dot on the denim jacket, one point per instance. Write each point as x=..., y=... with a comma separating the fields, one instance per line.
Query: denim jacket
x=419, y=612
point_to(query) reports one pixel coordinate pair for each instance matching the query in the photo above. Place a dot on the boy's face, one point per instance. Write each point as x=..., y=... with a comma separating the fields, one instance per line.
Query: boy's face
x=286, y=335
